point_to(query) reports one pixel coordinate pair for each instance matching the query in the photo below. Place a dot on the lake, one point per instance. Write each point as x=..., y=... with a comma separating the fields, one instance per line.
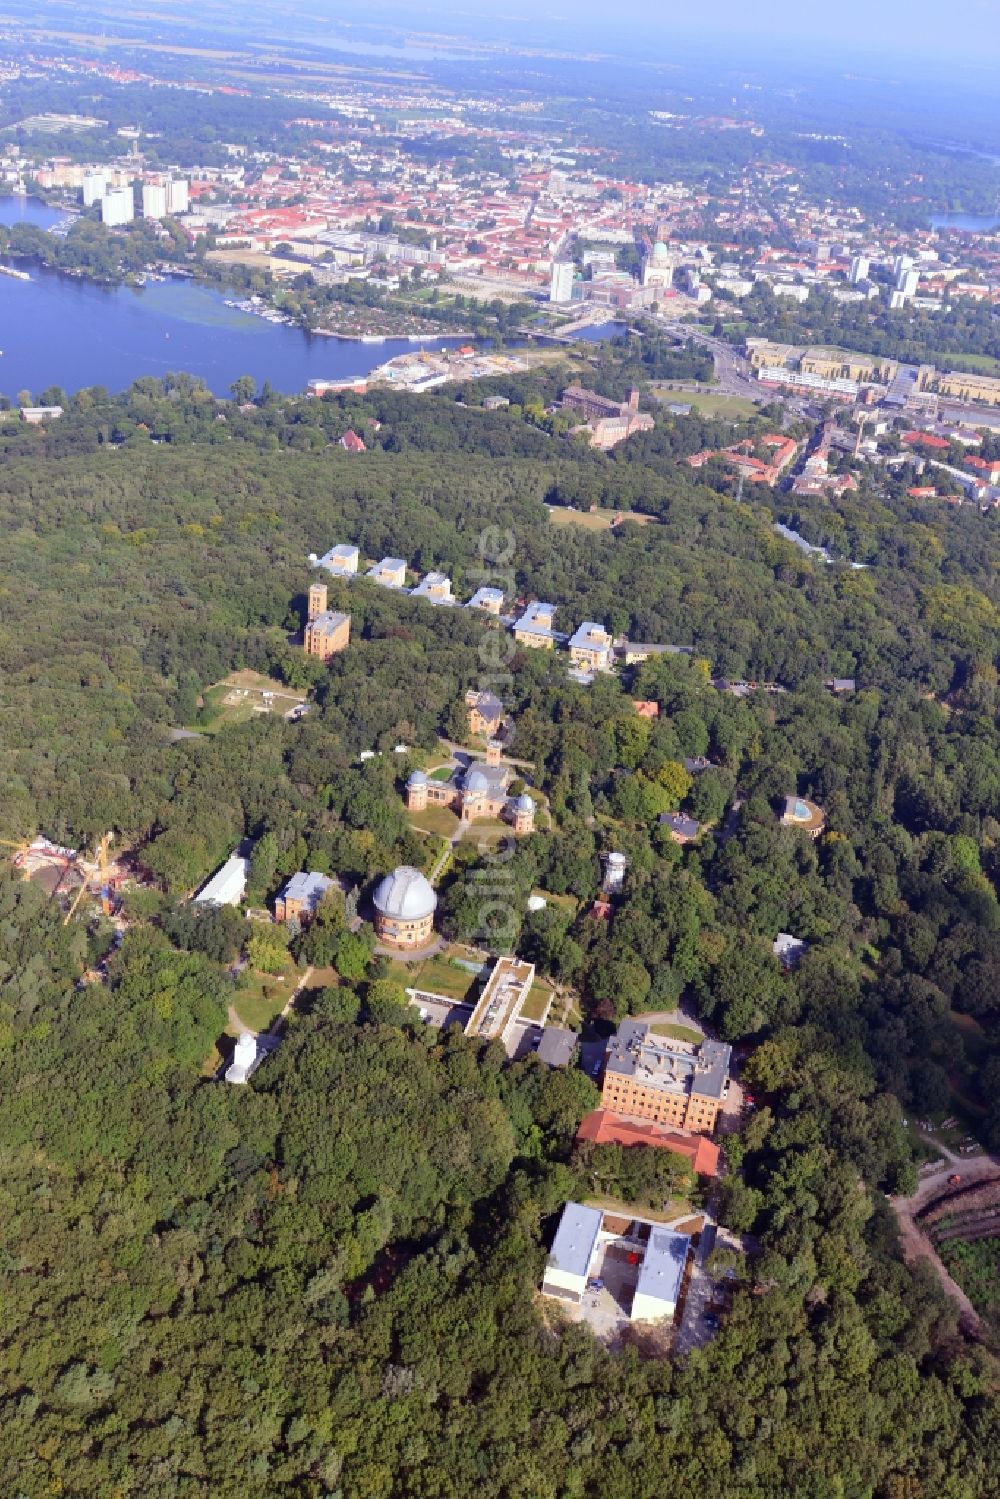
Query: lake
x=969, y=223
x=59, y=330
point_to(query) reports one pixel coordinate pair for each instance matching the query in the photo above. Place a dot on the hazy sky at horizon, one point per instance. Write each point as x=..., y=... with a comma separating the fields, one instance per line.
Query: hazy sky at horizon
x=963, y=31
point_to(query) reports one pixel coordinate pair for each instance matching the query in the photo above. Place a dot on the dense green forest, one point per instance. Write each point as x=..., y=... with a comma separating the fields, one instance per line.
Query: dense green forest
x=324, y=1284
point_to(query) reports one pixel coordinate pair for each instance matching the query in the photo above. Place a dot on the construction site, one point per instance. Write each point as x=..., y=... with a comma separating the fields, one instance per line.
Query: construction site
x=68, y=875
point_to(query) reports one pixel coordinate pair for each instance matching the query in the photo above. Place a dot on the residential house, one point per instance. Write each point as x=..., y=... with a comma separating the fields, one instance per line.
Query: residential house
x=389, y=573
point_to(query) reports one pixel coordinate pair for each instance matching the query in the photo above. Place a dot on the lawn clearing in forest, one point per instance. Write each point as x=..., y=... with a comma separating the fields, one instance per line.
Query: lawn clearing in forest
x=596, y=520
x=260, y=997
x=241, y=696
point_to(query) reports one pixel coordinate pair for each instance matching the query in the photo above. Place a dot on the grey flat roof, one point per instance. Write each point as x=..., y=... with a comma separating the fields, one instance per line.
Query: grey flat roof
x=662, y=1063
x=590, y=636
x=678, y=823
x=576, y=1238
x=714, y=1057
x=329, y=621
x=307, y=886
x=623, y=1048
x=557, y=1046
x=663, y=1265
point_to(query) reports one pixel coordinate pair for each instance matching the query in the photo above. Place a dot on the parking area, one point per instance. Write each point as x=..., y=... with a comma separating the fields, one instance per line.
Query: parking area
x=607, y=1301
x=697, y=1321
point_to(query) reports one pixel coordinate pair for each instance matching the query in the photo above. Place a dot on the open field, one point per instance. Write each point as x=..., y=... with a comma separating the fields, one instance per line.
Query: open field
x=261, y=996
x=710, y=403
x=487, y=832
x=241, y=696
x=976, y=364
x=564, y=902
x=324, y=978
x=439, y=820
x=438, y=975
x=596, y=520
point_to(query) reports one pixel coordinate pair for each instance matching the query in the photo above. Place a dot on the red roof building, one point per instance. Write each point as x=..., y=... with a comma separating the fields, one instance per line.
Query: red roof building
x=352, y=442
x=985, y=468
x=604, y=1128
x=925, y=440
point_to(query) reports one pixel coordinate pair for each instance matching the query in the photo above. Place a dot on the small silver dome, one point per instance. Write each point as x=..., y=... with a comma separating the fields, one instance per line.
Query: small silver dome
x=417, y=778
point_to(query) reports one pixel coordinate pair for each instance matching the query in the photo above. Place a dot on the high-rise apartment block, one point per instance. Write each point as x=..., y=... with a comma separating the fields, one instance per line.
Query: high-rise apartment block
x=177, y=195
x=95, y=185
x=117, y=208
x=154, y=200
x=561, y=286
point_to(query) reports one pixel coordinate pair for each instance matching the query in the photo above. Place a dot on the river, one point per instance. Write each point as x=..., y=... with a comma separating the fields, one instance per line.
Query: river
x=59, y=330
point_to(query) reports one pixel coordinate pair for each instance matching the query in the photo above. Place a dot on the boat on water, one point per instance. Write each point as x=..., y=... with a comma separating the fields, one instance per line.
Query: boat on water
x=9, y=270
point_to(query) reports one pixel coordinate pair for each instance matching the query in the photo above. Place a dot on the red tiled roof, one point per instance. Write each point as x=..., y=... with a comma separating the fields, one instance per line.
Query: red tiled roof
x=604, y=1128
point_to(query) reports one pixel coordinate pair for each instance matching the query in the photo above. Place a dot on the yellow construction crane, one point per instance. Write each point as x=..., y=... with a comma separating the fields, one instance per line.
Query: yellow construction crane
x=101, y=857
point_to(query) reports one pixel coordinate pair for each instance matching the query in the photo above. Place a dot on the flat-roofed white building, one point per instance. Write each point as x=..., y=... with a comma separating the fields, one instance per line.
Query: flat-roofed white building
x=245, y=1058
x=535, y=626
x=228, y=885
x=591, y=647
x=342, y=560
x=389, y=573
x=572, y=1251
x=435, y=588
x=490, y=599
x=658, y=1288
x=117, y=208
x=154, y=200
x=95, y=185
x=504, y=996
x=177, y=195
